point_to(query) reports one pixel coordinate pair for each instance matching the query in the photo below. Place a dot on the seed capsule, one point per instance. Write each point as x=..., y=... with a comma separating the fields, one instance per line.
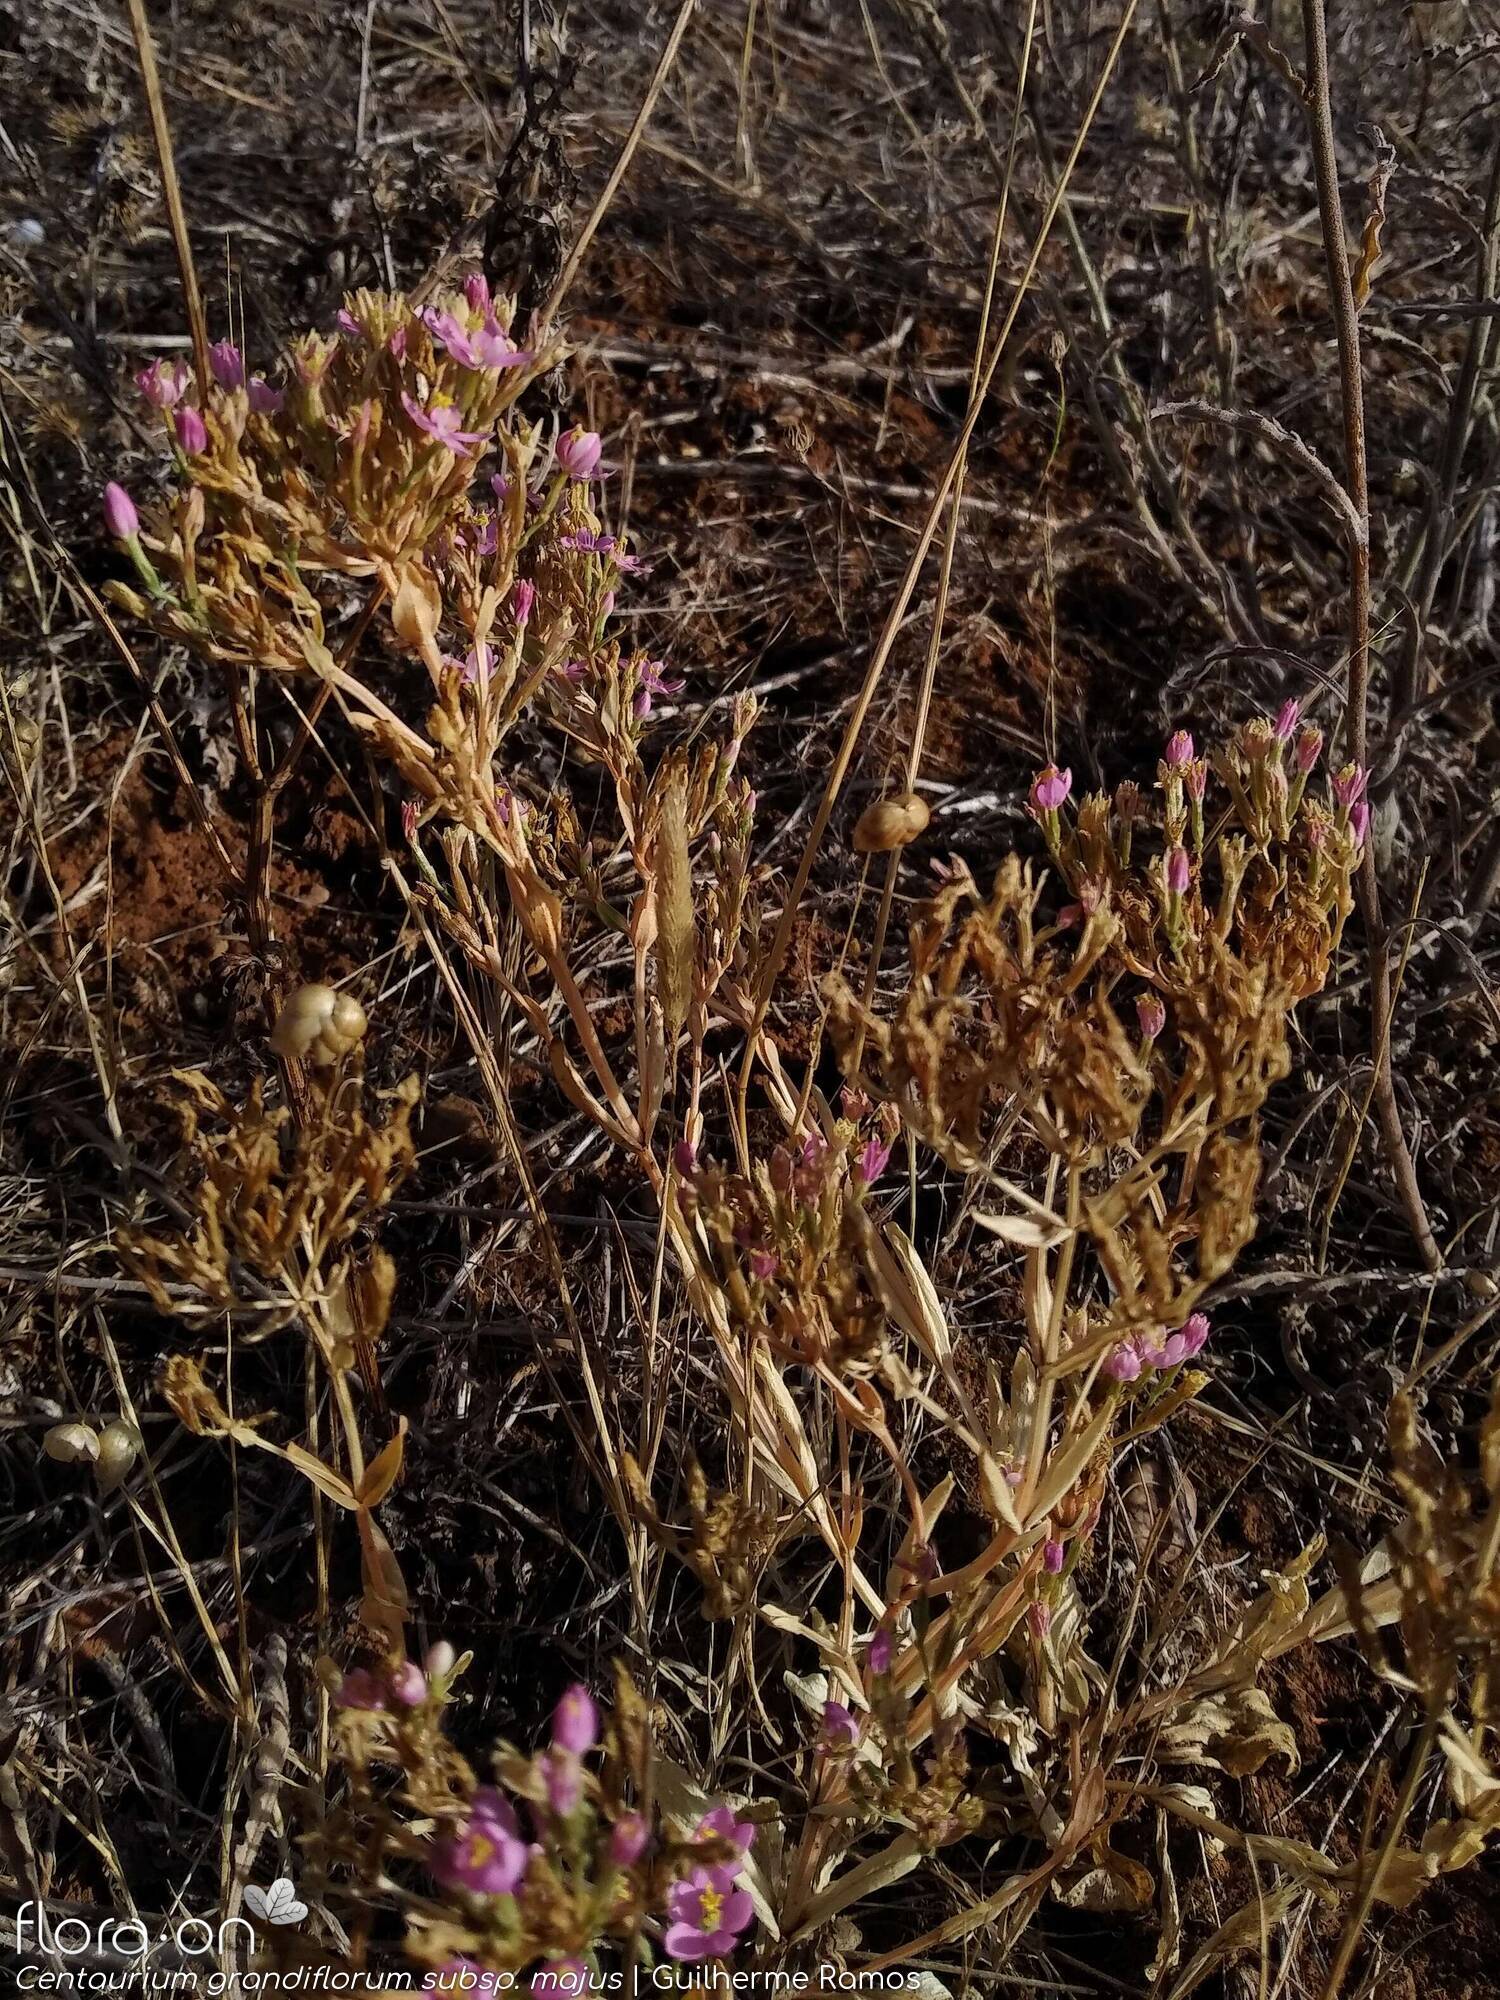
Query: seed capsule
x=318, y=1025
x=119, y=1448
x=891, y=823
x=71, y=1443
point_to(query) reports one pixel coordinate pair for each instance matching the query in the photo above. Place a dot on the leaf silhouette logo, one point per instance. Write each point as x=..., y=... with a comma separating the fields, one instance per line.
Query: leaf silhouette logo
x=276, y=1905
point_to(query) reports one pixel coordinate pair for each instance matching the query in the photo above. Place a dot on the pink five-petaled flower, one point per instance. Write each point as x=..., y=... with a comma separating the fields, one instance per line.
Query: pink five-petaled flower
x=162, y=383
x=707, y=1913
x=522, y=599
x=192, y=432
x=1150, y=1014
x=120, y=516
x=487, y=1855
x=721, y=1824
x=579, y=452
x=1179, y=871
x=1050, y=789
x=228, y=364
x=408, y=1685
x=628, y=1839
x=1286, y=721
x=443, y=424
x=575, y=1721
x=489, y=346
x=1179, y=752
x=360, y=1689
x=654, y=679
x=841, y=1727
x=1349, y=784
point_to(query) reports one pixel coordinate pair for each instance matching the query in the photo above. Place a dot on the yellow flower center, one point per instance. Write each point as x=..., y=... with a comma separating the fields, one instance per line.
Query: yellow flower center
x=480, y=1850
x=710, y=1908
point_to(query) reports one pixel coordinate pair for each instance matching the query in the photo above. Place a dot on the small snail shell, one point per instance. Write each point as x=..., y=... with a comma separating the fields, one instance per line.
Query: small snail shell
x=318, y=1025
x=891, y=823
x=68, y=1443
x=119, y=1448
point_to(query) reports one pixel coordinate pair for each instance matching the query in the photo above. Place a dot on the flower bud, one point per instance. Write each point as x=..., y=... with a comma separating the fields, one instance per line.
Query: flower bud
x=578, y=453
x=120, y=516
x=575, y=1721
x=192, y=432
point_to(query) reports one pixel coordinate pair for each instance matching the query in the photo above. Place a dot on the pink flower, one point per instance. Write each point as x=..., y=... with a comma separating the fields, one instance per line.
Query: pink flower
x=1309, y=749
x=489, y=346
x=1173, y=1351
x=1359, y=822
x=409, y=812
x=408, y=1685
x=1053, y=1557
x=628, y=1839
x=120, y=516
x=579, y=452
x=721, y=1824
x=1050, y=789
x=264, y=400
x=882, y=1650
x=522, y=598
x=1286, y=721
x=685, y=1158
x=575, y=1721
x=1194, y=1334
x=763, y=1266
x=228, y=364
x=162, y=383
x=192, y=432
x=443, y=423
x=1179, y=871
x=488, y=1856
x=707, y=1913
x=360, y=1689
x=654, y=679
x=840, y=1726
x=1179, y=751
x=349, y=324
x=871, y=1163
x=476, y=665
x=1123, y=1364
x=1349, y=784
x=477, y=292
x=1195, y=779
x=1150, y=1014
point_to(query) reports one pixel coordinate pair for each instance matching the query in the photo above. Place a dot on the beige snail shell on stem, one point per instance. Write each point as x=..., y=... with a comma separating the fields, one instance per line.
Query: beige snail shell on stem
x=891, y=823
x=318, y=1025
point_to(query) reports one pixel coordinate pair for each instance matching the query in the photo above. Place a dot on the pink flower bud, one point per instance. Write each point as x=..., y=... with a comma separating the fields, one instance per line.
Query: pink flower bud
x=1286, y=721
x=1309, y=749
x=579, y=452
x=1050, y=789
x=408, y=1685
x=477, y=292
x=1179, y=871
x=685, y=1158
x=575, y=1721
x=1179, y=752
x=1054, y=1555
x=522, y=598
x=360, y=1689
x=162, y=383
x=562, y=1776
x=1194, y=1335
x=1039, y=1617
x=228, y=364
x=1151, y=1015
x=1123, y=1364
x=120, y=516
x=882, y=1650
x=627, y=1840
x=192, y=432
x=763, y=1266
x=264, y=400
x=1359, y=822
x=1195, y=779
x=840, y=1726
